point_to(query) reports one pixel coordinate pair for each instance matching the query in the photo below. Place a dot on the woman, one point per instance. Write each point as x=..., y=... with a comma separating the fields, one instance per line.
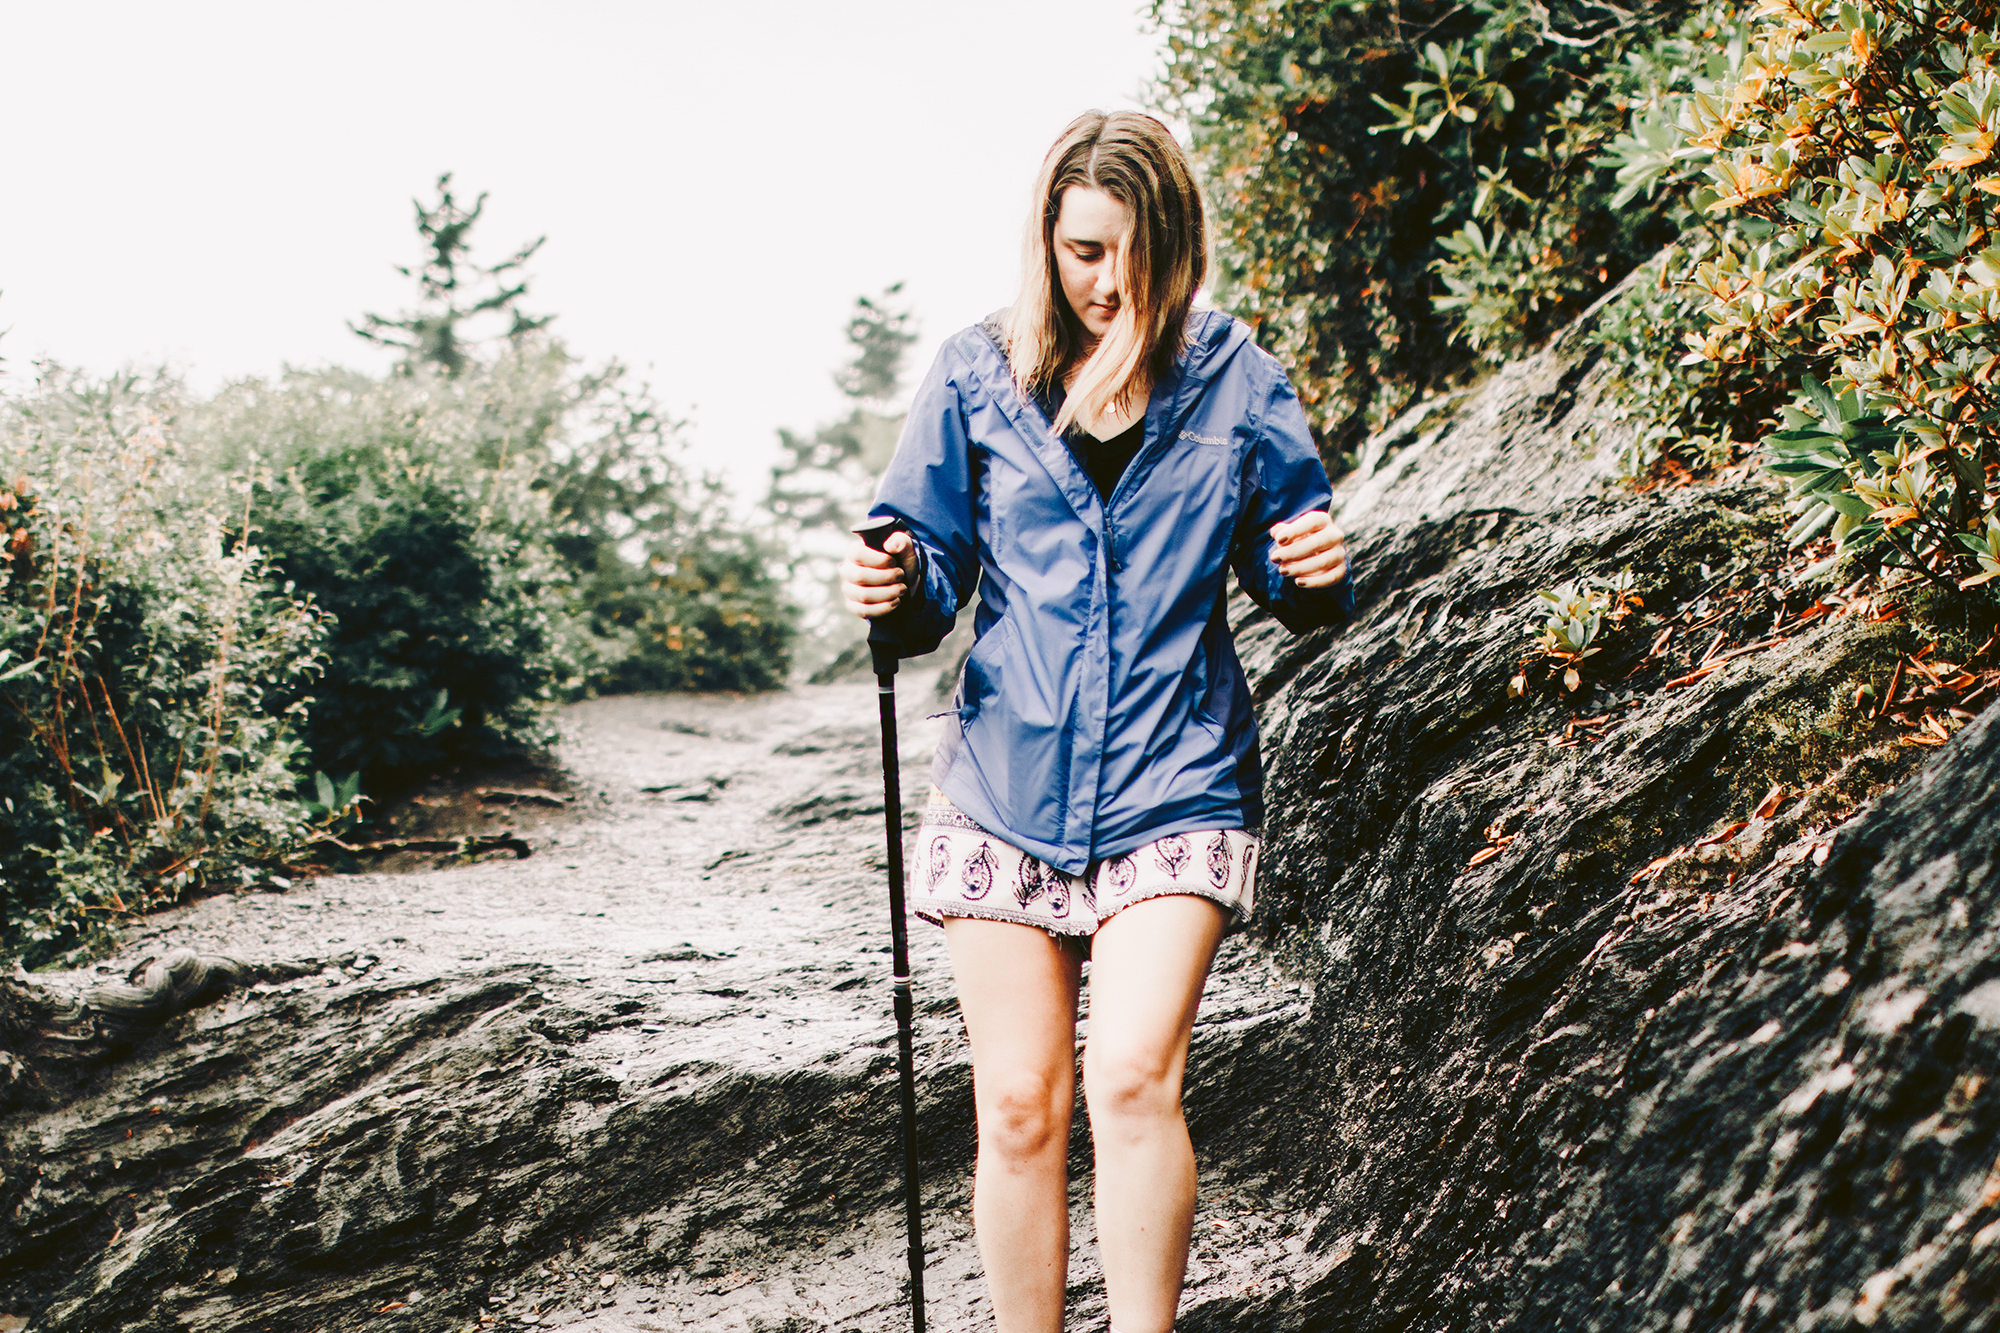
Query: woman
x=1093, y=461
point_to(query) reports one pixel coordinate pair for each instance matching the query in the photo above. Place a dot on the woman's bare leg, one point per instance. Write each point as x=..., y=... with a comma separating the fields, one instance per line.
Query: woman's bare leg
x=1148, y=966
x=1017, y=989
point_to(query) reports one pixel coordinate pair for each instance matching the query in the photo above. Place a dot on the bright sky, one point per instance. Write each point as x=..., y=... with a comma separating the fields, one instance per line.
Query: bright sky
x=221, y=186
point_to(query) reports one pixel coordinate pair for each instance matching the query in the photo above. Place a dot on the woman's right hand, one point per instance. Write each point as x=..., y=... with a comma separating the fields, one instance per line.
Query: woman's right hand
x=873, y=582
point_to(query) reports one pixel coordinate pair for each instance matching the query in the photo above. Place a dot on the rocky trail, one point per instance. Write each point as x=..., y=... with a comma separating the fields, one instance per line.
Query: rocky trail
x=642, y=1079
x=1667, y=1003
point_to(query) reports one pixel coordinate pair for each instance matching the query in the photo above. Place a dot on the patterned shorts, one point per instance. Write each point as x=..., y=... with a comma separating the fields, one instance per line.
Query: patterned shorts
x=959, y=869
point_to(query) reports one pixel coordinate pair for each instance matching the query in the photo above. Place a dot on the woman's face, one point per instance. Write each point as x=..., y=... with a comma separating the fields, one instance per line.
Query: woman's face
x=1092, y=230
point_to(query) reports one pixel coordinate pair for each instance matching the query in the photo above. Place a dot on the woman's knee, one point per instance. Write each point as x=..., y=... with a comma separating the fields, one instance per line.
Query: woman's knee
x=1122, y=1083
x=1023, y=1116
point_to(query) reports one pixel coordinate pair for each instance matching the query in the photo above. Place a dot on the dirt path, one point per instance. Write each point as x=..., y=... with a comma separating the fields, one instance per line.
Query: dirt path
x=694, y=961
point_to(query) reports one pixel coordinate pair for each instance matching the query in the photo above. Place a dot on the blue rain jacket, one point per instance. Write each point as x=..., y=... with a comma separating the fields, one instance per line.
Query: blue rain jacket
x=1103, y=705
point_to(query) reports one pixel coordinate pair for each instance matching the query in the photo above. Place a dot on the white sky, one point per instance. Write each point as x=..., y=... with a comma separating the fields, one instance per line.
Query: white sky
x=221, y=186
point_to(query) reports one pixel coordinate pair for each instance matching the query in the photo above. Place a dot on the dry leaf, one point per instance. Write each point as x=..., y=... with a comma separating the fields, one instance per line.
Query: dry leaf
x=1769, y=805
x=1571, y=679
x=1726, y=834
x=1654, y=867
x=1482, y=856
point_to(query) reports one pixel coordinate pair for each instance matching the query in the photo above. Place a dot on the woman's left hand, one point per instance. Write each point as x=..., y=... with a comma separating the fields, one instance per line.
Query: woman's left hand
x=1310, y=550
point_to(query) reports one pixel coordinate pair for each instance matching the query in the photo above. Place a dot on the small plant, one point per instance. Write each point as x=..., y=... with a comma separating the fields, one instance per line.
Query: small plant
x=335, y=807
x=1575, y=617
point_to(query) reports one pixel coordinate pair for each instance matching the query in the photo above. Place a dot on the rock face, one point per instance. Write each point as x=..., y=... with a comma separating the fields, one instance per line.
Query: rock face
x=1569, y=1070
x=1671, y=1002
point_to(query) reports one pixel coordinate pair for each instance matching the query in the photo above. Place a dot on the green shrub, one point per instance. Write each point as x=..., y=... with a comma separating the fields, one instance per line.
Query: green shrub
x=488, y=542
x=1696, y=413
x=670, y=591
x=1399, y=190
x=146, y=662
x=411, y=510
x=1853, y=153
x=677, y=592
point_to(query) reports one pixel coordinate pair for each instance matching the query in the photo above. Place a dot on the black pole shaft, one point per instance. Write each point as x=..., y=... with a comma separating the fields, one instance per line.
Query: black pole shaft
x=886, y=649
x=899, y=944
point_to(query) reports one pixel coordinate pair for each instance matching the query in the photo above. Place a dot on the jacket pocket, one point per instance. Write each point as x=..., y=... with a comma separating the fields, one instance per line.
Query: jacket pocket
x=979, y=679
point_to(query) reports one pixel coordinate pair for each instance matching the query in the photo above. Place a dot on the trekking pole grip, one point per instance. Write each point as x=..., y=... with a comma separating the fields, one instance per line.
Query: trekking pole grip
x=884, y=644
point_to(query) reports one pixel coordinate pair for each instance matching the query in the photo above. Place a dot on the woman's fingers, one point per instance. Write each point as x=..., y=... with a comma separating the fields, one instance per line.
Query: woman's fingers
x=1293, y=528
x=870, y=600
x=1308, y=534
x=872, y=582
x=1322, y=571
x=1310, y=550
x=876, y=574
x=861, y=553
x=870, y=610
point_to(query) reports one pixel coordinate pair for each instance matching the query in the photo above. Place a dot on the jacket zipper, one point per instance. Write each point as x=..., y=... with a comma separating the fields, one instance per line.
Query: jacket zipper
x=1142, y=463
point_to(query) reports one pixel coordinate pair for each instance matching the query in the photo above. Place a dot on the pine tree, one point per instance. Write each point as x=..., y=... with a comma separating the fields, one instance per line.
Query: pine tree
x=881, y=333
x=454, y=291
x=826, y=479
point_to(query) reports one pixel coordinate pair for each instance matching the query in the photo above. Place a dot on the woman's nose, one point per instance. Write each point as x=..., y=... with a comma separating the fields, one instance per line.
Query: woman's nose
x=1105, y=281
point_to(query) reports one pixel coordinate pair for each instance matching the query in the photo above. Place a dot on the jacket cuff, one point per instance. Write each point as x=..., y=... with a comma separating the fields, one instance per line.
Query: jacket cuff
x=913, y=622
x=1301, y=609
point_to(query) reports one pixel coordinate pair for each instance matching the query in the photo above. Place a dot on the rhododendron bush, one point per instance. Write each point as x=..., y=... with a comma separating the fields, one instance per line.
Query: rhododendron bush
x=1848, y=171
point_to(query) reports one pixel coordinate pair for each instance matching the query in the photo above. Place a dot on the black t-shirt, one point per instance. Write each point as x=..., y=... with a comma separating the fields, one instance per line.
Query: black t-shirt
x=1106, y=460
x=1103, y=461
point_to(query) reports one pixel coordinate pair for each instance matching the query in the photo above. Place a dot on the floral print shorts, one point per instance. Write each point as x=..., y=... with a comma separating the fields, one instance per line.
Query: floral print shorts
x=959, y=869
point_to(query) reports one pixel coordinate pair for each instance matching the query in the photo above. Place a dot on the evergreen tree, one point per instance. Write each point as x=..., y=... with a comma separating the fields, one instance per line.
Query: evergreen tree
x=881, y=334
x=827, y=478
x=455, y=291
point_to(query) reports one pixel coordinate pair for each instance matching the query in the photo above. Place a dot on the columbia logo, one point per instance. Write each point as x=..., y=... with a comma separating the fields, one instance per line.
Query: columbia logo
x=1203, y=439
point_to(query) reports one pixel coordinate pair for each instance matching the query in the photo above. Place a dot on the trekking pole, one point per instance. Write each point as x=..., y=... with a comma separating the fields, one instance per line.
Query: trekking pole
x=885, y=648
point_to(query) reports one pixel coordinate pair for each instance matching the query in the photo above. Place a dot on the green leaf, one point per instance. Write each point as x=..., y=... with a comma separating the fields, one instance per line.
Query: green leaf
x=1809, y=525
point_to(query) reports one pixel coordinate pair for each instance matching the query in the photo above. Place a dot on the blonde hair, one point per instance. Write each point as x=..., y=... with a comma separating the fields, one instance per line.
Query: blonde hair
x=1134, y=159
